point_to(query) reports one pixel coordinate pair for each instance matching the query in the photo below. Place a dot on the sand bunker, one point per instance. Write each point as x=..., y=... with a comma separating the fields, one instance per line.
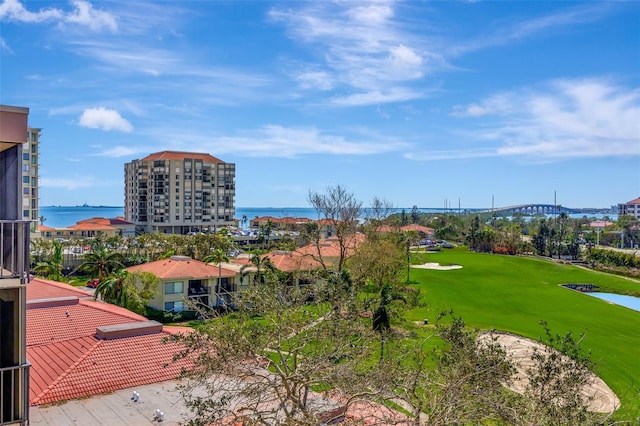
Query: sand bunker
x=520, y=349
x=437, y=266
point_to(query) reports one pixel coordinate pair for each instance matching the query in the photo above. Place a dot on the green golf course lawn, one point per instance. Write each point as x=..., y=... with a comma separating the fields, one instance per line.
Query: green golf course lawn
x=514, y=294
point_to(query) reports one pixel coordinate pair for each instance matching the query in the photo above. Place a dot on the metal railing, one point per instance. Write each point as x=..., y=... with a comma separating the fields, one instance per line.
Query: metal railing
x=14, y=249
x=14, y=403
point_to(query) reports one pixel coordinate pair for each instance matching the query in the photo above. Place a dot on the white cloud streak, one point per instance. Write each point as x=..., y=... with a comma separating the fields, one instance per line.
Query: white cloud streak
x=5, y=47
x=83, y=14
x=541, y=25
x=361, y=48
x=104, y=119
x=272, y=141
x=586, y=118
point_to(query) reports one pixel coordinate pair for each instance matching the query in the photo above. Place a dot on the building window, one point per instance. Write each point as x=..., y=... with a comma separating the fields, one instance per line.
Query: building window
x=34, y=159
x=25, y=167
x=25, y=213
x=34, y=149
x=174, y=306
x=173, y=288
x=25, y=179
x=25, y=190
x=25, y=156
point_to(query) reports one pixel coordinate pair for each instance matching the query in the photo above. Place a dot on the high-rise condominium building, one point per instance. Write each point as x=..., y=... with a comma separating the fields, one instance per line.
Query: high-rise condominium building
x=179, y=192
x=14, y=269
x=30, y=158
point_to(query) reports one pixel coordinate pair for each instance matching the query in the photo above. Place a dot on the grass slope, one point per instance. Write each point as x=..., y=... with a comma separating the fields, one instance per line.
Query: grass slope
x=514, y=293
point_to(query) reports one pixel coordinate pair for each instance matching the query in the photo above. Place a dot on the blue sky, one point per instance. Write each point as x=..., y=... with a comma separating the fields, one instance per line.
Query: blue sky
x=414, y=102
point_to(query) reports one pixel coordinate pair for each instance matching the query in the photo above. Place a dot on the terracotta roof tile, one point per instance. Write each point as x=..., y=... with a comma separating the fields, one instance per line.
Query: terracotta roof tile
x=635, y=201
x=115, y=364
x=91, y=226
x=178, y=155
x=52, y=324
x=68, y=361
x=288, y=261
x=181, y=267
x=39, y=288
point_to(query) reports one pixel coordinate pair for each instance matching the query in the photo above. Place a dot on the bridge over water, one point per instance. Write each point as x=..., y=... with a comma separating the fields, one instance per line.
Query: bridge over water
x=533, y=209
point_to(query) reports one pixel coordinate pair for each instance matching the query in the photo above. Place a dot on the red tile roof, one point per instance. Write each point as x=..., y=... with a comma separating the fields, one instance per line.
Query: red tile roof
x=178, y=155
x=91, y=226
x=88, y=366
x=330, y=247
x=70, y=321
x=39, y=288
x=105, y=221
x=636, y=201
x=288, y=261
x=69, y=361
x=182, y=267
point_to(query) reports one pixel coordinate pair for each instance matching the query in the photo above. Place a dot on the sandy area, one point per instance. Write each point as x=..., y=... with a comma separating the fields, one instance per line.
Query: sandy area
x=434, y=265
x=520, y=350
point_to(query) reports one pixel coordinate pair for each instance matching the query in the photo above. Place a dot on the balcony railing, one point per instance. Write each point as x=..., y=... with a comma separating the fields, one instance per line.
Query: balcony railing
x=14, y=249
x=198, y=291
x=14, y=404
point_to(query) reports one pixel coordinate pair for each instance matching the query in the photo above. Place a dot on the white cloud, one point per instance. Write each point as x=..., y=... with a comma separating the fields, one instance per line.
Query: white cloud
x=395, y=94
x=104, y=119
x=83, y=13
x=508, y=32
x=13, y=10
x=278, y=141
x=5, y=47
x=563, y=119
x=126, y=151
x=359, y=48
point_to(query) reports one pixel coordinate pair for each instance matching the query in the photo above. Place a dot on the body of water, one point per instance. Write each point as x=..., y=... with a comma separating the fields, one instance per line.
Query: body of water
x=630, y=302
x=63, y=216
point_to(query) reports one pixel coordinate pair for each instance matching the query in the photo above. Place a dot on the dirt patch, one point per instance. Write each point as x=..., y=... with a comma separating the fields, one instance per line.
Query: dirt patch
x=434, y=265
x=519, y=350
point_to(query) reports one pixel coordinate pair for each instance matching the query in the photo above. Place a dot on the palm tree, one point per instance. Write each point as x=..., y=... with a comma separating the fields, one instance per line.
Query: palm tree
x=381, y=322
x=51, y=267
x=101, y=261
x=261, y=264
x=121, y=290
x=112, y=289
x=218, y=256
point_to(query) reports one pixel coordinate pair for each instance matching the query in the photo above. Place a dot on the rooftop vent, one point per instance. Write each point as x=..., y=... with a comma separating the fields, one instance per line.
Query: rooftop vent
x=51, y=302
x=130, y=329
x=180, y=258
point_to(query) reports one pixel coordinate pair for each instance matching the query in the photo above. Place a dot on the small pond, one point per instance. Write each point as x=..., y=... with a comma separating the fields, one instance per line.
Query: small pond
x=630, y=302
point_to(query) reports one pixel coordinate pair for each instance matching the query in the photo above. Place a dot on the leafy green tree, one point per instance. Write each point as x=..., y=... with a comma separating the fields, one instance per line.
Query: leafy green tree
x=51, y=267
x=377, y=262
x=415, y=214
x=131, y=291
x=274, y=358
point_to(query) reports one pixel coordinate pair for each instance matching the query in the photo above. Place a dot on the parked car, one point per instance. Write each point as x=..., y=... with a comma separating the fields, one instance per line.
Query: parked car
x=446, y=244
x=93, y=283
